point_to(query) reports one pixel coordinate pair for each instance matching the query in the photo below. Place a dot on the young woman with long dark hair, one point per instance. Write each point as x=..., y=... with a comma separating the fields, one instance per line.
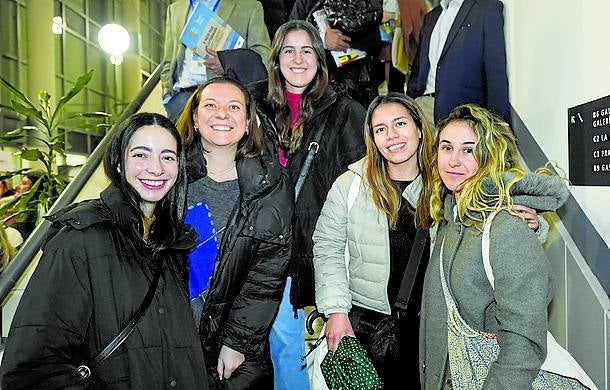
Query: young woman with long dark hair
x=102, y=258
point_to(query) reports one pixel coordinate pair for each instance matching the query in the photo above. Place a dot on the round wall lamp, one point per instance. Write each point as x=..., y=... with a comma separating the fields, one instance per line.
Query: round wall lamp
x=114, y=40
x=58, y=25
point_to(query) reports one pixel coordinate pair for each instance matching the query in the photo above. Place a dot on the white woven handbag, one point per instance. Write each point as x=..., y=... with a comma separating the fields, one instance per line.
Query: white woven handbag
x=558, y=359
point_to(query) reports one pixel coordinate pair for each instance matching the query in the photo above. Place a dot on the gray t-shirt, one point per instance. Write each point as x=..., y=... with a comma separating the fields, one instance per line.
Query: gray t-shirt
x=208, y=202
x=220, y=198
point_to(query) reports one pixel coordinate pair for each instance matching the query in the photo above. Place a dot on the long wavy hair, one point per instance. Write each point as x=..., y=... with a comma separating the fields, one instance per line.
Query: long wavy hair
x=496, y=153
x=290, y=139
x=252, y=144
x=169, y=211
x=385, y=195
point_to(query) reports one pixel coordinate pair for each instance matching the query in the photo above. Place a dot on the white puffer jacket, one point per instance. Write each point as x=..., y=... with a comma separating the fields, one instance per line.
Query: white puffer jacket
x=367, y=232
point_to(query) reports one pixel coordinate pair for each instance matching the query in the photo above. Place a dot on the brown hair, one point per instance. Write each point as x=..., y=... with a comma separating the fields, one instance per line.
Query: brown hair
x=290, y=139
x=385, y=196
x=251, y=145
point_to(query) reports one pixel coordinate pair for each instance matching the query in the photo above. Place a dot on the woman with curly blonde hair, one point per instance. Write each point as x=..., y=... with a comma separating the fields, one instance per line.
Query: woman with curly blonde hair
x=476, y=172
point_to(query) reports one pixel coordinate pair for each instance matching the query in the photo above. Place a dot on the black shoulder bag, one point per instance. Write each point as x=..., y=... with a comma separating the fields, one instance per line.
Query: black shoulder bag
x=381, y=331
x=85, y=369
x=352, y=16
x=384, y=335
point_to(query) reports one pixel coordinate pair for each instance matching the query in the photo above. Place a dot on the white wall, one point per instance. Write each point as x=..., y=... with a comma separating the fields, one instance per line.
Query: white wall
x=559, y=57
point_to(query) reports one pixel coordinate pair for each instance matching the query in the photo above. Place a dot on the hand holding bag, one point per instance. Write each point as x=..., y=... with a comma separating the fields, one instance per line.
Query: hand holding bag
x=378, y=332
x=319, y=349
x=350, y=368
x=471, y=352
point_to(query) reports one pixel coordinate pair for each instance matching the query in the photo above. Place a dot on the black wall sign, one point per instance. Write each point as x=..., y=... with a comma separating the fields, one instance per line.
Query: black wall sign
x=589, y=143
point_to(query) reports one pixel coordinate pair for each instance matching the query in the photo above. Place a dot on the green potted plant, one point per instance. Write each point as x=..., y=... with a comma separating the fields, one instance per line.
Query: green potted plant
x=45, y=124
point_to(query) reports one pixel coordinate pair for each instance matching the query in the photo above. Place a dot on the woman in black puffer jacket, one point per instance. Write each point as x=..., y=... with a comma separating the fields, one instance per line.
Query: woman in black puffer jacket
x=97, y=267
x=240, y=203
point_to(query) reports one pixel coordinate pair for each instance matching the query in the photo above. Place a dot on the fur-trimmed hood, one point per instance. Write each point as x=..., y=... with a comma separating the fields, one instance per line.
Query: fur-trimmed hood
x=540, y=192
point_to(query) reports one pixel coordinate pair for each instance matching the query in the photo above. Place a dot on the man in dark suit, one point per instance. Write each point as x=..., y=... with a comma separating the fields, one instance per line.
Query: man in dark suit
x=461, y=58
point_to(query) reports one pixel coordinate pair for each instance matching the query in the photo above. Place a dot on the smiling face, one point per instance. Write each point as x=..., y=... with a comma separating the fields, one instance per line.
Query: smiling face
x=151, y=165
x=298, y=61
x=221, y=116
x=456, y=160
x=397, y=139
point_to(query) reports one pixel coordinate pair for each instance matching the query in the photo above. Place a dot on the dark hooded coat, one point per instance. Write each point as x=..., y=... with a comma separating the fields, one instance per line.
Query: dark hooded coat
x=341, y=144
x=92, y=277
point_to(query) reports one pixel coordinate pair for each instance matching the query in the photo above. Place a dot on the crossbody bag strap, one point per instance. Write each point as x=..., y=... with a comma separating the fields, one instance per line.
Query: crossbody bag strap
x=313, y=148
x=85, y=369
x=408, y=279
x=354, y=188
x=485, y=248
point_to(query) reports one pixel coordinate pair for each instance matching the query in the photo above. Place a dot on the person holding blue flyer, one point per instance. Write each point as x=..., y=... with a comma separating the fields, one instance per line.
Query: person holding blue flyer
x=184, y=69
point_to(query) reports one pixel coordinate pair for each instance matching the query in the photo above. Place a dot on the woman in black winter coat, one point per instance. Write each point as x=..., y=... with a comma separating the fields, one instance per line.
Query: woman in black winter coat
x=240, y=202
x=102, y=258
x=296, y=101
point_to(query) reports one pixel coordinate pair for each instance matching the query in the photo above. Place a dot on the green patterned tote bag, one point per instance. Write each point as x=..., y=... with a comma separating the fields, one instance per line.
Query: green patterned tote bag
x=349, y=368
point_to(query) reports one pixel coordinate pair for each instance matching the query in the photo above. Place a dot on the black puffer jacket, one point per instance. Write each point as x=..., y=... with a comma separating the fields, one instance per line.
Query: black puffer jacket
x=342, y=143
x=92, y=277
x=276, y=14
x=250, y=272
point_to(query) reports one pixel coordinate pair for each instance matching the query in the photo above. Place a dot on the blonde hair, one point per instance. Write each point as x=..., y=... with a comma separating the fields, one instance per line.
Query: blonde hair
x=496, y=153
x=385, y=196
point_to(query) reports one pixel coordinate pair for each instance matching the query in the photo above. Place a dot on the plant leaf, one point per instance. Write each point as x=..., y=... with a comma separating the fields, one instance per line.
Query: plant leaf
x=23, y=202
x=80, y=83
x=13, y=134
x=43, y=98
x=10, y=174
x=31, y=154
x=26, y=111
x=57, y=146
x=4, y=209
x=96, y=114
x=16, y=92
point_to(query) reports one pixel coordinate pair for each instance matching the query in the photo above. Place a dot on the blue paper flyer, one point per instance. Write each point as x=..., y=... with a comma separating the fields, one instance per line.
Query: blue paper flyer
x=206, y=29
